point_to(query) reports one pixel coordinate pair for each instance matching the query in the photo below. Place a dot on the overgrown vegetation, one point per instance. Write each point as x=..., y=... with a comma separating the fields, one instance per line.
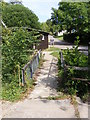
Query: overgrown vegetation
x=17, y=47
x=74, y=58
x=74, y=87
x=13, y=92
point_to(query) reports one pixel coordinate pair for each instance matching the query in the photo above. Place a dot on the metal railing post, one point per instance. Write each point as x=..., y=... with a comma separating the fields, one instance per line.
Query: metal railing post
x=23, y=77
x=31, y=71
x=33, y=64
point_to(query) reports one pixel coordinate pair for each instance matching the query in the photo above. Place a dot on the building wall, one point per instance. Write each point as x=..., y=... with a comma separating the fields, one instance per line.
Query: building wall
x=61, y=33
x=44, y=43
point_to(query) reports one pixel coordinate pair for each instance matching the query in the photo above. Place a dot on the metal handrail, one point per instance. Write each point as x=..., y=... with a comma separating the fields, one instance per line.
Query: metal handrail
x=29, y=64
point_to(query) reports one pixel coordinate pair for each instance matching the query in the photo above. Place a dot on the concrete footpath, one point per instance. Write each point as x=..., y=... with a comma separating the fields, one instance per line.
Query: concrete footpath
x=36, y=106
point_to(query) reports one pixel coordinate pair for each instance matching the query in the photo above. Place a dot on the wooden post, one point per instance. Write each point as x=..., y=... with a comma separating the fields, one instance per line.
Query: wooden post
x=63, y=64
x=62, y=60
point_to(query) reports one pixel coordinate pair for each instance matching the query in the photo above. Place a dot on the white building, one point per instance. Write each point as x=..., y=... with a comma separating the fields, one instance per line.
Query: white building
x=61, y=33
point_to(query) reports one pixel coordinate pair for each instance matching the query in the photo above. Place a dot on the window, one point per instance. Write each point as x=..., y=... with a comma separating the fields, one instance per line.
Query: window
x=43, y=37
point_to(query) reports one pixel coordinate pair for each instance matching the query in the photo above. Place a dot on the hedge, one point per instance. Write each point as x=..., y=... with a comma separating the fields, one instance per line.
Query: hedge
x=71, y=37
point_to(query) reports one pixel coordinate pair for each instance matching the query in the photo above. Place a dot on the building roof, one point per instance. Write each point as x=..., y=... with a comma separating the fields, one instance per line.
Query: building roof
x=31, y=29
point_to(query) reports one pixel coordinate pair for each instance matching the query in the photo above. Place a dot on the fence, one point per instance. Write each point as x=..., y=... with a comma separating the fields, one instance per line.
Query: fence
x=65, y=67
x=29, y=69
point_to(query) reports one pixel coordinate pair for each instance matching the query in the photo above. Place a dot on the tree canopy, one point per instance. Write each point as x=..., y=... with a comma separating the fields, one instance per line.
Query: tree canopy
x=48, y=26
x=71, y=16
x=44, y=27
x=18, y=15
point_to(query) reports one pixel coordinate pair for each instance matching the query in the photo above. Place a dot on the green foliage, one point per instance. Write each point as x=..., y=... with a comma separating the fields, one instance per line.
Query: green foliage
x=71, y=15
x=18, y=15
x=50, y=26
x=59, y=37
x=41, y=60
x=74, y=58
x=55, y=54
x=44, y=27
x=14, y=51
x=71, y=37
x=17, y=48
x=13, y=92
x=53, y=49
x=59, y=97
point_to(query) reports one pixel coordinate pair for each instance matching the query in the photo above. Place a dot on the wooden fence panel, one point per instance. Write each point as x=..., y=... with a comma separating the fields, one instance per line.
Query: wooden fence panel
x=74, y=67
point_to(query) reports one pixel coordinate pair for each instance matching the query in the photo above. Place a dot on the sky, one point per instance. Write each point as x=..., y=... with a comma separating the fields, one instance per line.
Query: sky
x=42, y=8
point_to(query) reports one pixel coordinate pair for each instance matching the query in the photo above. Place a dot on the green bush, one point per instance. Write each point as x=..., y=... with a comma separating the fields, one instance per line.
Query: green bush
x=74, y=58
x=71, y=37
x=16, y=52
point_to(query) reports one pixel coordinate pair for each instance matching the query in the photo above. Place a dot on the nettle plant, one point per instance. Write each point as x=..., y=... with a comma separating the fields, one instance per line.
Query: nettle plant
x=74, y=58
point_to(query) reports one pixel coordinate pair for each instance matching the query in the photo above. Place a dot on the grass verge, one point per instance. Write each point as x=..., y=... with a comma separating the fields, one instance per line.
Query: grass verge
x=13, y=92
x=55, y=54
x=59, y=37
x=59, y=97
x=75, y=104
x=53, y=49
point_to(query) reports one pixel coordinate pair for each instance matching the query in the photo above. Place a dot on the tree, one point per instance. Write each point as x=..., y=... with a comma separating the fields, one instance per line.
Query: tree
x=18, y=15
x=50, y=26
x=44, y=27
x=71, y=16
